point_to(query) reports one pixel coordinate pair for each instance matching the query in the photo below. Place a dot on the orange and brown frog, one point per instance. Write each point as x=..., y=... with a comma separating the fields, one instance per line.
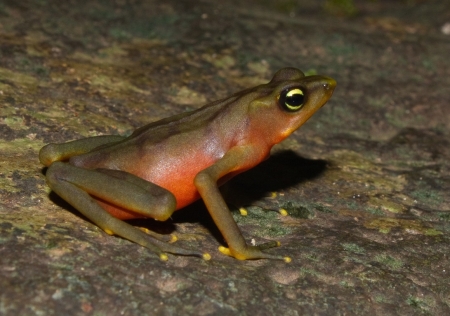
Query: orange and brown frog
x=168, y=164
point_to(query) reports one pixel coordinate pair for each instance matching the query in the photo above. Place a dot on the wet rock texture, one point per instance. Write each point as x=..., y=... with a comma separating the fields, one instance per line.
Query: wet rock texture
x=365, y=182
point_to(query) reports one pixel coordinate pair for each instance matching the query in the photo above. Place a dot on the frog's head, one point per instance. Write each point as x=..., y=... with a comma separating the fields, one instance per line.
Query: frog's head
x=289, y=100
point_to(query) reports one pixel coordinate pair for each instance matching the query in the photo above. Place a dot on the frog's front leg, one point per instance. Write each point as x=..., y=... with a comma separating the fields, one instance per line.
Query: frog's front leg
x=206, y=183
x=79, y=186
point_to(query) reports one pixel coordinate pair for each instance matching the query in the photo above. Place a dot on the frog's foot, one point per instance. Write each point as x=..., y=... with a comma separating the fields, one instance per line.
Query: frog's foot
x=161, y=248
x=254, y=252
x=145, y=238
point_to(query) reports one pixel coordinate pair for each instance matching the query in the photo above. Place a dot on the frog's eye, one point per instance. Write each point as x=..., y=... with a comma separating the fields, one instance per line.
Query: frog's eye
x=292, y=99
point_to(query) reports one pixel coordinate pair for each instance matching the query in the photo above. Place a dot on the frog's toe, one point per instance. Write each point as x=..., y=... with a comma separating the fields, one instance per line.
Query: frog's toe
x=226, y=251
x=243, y=211
x=166, y=238
x=268, y=245
x=205, y=256
x=254, y=252
x=169, y=248
x=163, y=257
x=162, y=248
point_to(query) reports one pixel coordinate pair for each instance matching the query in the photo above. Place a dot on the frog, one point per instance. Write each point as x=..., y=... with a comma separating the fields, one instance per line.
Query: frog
x=168, y=164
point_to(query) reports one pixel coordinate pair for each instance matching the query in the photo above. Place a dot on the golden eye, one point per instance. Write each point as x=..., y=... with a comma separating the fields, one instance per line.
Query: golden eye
x=292, y=99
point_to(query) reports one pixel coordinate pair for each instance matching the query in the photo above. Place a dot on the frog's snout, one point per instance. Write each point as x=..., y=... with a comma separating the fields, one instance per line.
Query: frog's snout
x=329, y=84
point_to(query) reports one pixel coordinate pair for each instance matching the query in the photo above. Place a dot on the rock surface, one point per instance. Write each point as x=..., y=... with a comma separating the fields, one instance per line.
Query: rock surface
x=366, y=181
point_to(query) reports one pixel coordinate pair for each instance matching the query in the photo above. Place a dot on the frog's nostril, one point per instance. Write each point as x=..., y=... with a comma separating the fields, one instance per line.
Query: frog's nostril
x=330, y=84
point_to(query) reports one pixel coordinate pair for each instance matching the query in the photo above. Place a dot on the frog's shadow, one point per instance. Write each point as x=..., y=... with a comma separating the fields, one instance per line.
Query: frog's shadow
x=282, y=170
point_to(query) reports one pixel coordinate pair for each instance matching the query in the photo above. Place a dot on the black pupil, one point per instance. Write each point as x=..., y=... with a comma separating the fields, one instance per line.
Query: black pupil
x=295, y=99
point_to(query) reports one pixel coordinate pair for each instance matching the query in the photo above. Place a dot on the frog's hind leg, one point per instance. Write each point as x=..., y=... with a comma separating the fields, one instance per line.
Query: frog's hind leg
x=60, y=152
x=155, y=190
x=79, y=186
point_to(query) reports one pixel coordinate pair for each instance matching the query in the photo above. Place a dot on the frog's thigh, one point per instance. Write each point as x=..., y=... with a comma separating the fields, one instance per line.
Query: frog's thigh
x=75, y=185
x=164, y=197
x=118, y=188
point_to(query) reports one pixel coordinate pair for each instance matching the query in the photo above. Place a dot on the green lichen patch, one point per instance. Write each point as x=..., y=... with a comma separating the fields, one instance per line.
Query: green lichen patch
x=389, y=261
x=353, y=248
x=428, y=196
x=385, y=225
x=387, y=205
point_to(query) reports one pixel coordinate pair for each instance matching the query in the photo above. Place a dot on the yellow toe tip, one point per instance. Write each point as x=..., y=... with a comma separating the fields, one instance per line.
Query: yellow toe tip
x=243, y=211
x=163, y=257
x=283, y=212
x=145, y=230
x=225, y=250
x=109, y=232
x=206, y=256
x=173, y=238
x=287, y=259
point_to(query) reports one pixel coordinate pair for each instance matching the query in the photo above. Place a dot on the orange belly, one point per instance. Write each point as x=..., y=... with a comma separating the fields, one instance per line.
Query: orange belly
x=175, y=176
